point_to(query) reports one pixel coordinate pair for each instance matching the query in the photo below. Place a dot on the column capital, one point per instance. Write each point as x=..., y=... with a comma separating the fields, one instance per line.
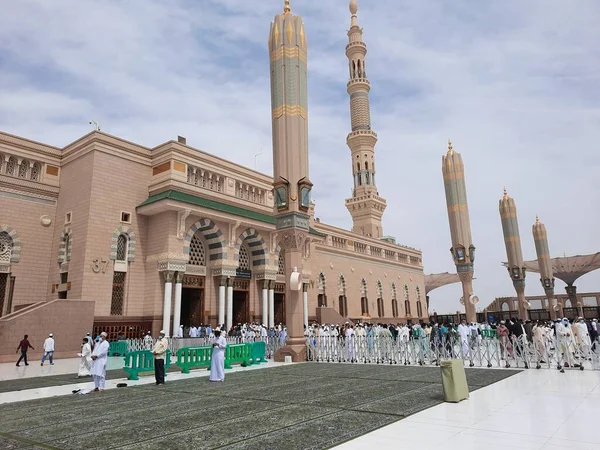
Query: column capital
x=168, y=276
x=179, y=277
x=222, y=281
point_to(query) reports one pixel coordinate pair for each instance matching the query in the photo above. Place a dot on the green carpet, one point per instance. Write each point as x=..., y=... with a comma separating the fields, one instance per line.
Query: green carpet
x=305, y=406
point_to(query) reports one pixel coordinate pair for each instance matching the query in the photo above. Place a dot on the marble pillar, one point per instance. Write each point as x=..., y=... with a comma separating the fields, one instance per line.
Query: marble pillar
x=177, y=306
x=222, y=288
x=229, y=317
x=166, y=326
x=305, y=303
x=265, y=303
x=272, y=304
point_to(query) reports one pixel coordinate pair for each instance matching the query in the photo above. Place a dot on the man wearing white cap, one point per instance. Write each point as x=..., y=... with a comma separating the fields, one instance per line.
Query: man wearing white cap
x=160, y=353
x=217, y=360
x=49, y=349
x=99, y=359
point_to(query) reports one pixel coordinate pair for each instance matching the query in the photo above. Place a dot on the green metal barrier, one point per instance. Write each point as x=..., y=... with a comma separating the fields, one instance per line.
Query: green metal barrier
x=142, y=361
x=118, y=348
x=259, y=352
x=192, y=357
x=238, y=354
x=489, y=334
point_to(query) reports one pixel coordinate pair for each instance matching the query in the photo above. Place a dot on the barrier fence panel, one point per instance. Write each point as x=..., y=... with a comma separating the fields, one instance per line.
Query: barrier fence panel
x=272, y=344
x=561, y=353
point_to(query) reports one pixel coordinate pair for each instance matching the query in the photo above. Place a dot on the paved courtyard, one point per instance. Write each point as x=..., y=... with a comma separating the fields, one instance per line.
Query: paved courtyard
x=304, y=406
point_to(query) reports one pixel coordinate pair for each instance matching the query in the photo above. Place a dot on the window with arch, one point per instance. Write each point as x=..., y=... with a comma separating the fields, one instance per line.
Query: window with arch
x=359, y=69
x=380, y=306
x=190, y=174
x=36, y=170
x=197, y=255
x=364, y=301
x=322, y=296
x=1, y=163
x=244, y=260
x=122, y=242
x=343, y=301
x=281, y=264
x=23, y=168
x=505, y=306
x=11, y=166
x=394, y=301
x=406, y=300
x=419, y=309
x=6, y=245
x=67, y=245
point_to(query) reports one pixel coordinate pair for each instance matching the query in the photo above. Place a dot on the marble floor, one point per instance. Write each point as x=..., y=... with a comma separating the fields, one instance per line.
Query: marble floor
x=536, y=409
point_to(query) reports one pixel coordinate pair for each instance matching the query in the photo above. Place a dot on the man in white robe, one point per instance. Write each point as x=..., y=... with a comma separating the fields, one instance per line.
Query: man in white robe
x=180, y=331
x=148, y=341
x=85, y=363
x=99, y=359
x=217, y=360
x=465, y=333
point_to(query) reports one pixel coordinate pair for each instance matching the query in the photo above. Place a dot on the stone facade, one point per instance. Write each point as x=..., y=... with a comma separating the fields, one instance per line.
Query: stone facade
x=172, y=203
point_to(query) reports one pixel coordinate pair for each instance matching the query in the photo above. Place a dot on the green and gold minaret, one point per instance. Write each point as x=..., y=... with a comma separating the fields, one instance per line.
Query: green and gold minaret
x=292, y=187
x=463, y=250
x=514, y=253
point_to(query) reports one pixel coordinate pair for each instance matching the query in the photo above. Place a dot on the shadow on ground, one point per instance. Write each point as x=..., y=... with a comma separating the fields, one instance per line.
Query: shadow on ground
x=305, y=406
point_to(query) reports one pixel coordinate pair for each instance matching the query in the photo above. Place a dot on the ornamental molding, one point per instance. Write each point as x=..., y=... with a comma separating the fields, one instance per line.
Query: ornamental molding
x=171, y=266
x=180, y=257
x=224, y=272
x=4, y=268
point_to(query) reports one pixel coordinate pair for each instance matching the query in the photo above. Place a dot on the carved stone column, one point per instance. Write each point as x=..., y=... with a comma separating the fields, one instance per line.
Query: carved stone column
x=265, y=302
x=305, y=303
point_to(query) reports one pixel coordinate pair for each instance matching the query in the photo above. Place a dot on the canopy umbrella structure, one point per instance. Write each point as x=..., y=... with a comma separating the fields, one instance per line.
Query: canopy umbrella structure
x=568, y=269
x=436, y=280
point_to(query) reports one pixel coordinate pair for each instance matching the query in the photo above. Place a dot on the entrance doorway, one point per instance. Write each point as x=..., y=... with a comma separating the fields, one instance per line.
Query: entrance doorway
x=192, y=301
x=192, y=306
x=241, y=307
x=279, y=307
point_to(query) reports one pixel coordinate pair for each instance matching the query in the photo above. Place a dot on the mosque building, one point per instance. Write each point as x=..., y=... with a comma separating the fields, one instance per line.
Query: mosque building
x=109, y=234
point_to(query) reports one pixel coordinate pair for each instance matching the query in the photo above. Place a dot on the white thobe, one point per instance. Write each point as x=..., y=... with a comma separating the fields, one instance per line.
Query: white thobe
x=180, y=332
x=86, y=360
x=464, y=331
x=583, y=335
x=98, y=370
x=49, y=345
x=148, y=342
x=217, y=361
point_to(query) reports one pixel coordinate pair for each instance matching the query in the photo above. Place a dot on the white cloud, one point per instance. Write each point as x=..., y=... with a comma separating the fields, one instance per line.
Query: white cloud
x=513, y=83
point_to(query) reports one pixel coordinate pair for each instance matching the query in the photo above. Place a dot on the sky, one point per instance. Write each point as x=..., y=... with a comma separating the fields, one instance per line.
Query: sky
x=514, y=84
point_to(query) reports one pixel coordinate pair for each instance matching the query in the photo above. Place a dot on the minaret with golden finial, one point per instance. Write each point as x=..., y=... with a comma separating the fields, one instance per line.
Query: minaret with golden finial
x=463, y=250
x=514, y=253
x=540, y=237
x=365, y=206
x=291, y=185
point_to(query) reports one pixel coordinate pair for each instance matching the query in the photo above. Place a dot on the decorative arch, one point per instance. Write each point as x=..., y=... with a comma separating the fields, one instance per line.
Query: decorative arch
x=322, y=290
x=15, y=255
x=131, y=238
x=213, y=236
x=380, y=305
x=256, y=246
x=65, y=246
x=342, y=284
x=364, y=301
x=406, y=300
x=394, y=301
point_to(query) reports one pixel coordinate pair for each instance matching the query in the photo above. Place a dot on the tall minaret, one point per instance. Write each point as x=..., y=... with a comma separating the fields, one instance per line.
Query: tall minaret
x=540, y=237
x=292, y=187
x=514, y=253
x=365, y=206
x=463, y=250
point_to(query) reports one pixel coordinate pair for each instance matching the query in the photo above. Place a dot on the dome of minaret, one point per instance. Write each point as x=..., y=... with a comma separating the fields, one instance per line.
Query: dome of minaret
x=353, y=6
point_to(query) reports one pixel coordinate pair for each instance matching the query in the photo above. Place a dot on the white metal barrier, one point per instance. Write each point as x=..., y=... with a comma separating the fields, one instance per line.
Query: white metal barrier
x=562, y=353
